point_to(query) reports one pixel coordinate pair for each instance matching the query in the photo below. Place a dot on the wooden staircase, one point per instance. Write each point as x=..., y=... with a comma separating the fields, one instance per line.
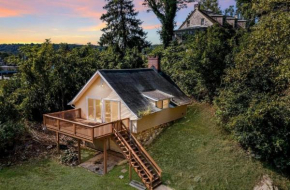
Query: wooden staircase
x=137, y=156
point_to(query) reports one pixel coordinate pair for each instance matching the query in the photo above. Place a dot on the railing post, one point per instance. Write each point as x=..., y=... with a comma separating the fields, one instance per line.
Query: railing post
x=58, y=126
x=74, y=128
x=57, y=142
x=130, y=166
x=92, y=133
x=79, y=151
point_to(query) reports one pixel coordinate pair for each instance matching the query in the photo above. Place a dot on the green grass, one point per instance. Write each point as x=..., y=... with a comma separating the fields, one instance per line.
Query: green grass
x=193, y=153
x=49, y=174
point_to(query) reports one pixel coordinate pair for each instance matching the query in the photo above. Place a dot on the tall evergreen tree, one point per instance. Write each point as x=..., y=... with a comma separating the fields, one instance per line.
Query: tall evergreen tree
x=212, y=5
x=123, y=29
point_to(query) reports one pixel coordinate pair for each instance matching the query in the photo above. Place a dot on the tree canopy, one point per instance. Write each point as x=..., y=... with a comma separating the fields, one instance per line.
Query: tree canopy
x=212, y=5
x=123, y=30
x=165, y=11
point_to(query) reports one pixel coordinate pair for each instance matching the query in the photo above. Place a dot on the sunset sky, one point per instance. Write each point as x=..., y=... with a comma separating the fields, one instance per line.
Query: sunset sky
x=71, y=21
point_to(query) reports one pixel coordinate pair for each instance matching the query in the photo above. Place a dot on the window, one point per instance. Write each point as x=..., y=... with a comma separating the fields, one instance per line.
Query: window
x=162, y=104
x=159, y=104
x=202, y=21
x=165, y=104
x=188, y=23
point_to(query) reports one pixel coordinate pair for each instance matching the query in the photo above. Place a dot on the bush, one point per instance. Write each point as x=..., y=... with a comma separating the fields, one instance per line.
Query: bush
x=254, y=105
x=10, y=133
x=264, y=128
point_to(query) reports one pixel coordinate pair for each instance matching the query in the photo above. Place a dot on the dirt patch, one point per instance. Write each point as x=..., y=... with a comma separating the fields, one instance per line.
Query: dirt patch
x=265, y=184
x=96, y=164
x=38, y=143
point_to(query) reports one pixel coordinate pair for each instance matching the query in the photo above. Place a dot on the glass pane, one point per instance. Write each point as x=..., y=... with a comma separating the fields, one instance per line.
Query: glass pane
x=115, y=110
x=108, y=111
x=165, y=104
x=91, y=109
x=159, y=104
x=98, y=110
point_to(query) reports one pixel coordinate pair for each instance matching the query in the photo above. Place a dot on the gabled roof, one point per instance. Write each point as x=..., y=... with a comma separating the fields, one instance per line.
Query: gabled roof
x=204, y=13
x=132, y=84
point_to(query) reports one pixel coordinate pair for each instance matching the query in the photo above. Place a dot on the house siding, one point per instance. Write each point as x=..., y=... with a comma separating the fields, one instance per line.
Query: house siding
x=195, y=20
x=96, y=90
x=162, y=117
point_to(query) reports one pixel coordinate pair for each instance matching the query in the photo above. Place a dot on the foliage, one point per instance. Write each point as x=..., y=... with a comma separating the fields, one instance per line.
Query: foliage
x=48, y=78
x=212, y=5
x=254, y=104
x=10, y=133
x=230, y=11
x=198, y=65
x=165, y=11
x=122, y=29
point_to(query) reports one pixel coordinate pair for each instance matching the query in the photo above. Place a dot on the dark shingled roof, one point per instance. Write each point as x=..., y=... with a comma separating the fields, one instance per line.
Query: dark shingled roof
x=157, y=95
x=130, y=84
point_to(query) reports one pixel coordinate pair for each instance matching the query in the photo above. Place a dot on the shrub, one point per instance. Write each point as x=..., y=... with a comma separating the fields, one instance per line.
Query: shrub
x=10, y=133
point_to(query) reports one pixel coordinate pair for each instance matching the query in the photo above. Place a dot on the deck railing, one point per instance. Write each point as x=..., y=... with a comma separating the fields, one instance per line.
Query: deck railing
x=65, y=123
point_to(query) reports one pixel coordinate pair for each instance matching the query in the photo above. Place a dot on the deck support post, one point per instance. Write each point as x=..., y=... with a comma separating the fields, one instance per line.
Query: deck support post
x=57, y=142
x=130, y=167
x=79, y=151
x=105, y=156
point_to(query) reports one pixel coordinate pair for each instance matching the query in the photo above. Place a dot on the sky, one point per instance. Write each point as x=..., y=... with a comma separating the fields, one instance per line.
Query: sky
x=69, y=21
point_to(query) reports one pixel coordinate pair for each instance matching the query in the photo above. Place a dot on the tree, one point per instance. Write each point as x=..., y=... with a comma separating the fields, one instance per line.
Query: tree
x=165, y=10
x=212, y=5
x=198, y=66
x=230, y=11
x=123, y=29
x=254, y=105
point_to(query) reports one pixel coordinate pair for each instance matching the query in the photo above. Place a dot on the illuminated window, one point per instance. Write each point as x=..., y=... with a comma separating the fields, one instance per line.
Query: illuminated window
x=165, y=104
x=162, y=104
x=159, y=104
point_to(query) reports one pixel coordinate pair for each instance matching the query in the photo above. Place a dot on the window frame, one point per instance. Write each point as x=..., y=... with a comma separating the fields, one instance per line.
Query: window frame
x=202, y=21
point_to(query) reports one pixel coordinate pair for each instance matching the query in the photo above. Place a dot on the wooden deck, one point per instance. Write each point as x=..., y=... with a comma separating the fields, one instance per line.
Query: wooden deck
x=71, y=124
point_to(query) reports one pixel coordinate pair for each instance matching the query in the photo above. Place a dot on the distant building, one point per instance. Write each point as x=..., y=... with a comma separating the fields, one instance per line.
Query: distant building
x=199, y=20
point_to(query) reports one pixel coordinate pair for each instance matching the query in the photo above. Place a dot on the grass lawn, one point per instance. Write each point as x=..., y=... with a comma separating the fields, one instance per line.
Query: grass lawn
x=49, y=174
x=193, y=153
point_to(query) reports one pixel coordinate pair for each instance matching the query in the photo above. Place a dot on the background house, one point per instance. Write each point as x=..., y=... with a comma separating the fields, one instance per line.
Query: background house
x=200, y=20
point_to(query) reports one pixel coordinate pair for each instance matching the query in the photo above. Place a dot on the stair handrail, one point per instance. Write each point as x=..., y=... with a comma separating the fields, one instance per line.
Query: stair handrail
x=157, y=168
x=135, y=155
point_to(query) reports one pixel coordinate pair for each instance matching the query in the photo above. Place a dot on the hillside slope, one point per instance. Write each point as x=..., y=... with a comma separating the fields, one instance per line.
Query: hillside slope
x=195, y=154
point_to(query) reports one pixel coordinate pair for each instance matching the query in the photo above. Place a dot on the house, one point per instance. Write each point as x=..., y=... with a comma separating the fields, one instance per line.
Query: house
x=200, y=20
x=117, y=106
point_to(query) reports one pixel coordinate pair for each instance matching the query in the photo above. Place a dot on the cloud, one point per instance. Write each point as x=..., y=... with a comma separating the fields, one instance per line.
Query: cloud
x=152, y=27
x=93, y=28
x=9, y=13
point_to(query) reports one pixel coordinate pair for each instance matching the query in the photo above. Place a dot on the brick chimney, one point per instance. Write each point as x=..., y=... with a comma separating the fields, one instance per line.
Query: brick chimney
x=154, y=62
x=197, y=6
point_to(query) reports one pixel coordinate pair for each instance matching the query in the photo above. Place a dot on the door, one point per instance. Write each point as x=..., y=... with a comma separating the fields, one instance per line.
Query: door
x=95, y=110
x=111, y=110
x=101, y=110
